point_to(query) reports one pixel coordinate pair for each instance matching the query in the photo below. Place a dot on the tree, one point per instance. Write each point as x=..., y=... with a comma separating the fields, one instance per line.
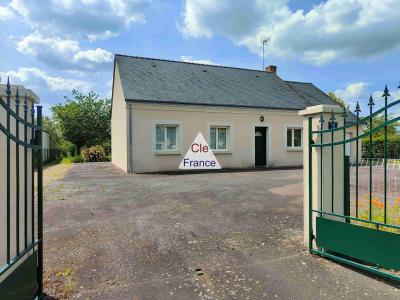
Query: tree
x=54, y=133
x=338, y=100
x=391, y=128
x=57, y=141
x=84, y=120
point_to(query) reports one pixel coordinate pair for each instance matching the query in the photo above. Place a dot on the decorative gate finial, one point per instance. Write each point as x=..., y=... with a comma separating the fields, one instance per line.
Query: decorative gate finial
x=25, y=103
x=358, y=109
x=17, y=101
x=321, y=120
x=371, y=102
x=332, y=118
x=386, y=93
x=8, y=89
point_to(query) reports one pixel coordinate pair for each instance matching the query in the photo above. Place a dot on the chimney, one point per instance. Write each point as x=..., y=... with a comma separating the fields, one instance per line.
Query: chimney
x=271, y=69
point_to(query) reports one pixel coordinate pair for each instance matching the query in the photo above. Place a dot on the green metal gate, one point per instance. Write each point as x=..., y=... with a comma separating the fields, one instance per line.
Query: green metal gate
x=365, y=232
x=21, y=249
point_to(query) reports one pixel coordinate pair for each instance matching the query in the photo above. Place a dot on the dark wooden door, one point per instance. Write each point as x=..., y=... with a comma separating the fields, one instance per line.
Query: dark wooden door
x=260, y=136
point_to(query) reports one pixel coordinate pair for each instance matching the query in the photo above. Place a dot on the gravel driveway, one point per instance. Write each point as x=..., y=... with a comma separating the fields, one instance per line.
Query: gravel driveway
x=237, y=235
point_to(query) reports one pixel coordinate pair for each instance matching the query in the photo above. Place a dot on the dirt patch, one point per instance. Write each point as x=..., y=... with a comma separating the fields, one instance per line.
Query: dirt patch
x=55, y=172
x=193, y=236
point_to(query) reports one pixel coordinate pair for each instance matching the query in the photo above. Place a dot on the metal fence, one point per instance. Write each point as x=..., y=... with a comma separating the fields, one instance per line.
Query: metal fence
x=21, y=230
x=357, y=220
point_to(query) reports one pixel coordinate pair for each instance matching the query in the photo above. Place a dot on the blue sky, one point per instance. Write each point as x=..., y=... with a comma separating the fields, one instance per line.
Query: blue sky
x=350, y=47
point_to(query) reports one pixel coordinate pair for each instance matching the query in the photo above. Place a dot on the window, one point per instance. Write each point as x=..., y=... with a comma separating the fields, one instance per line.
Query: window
x=166, y=137
x=294, y=138
x=219, y=138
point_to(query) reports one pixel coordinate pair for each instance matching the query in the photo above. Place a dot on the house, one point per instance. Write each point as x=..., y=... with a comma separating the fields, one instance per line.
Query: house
x=249, y=117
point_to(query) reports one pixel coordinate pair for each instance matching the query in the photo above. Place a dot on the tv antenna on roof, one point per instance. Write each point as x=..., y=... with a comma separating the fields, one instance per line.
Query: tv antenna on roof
x=264, y=41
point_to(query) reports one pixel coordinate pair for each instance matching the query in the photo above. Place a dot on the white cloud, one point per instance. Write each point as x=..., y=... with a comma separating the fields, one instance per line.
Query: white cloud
x=5, y=13
x=39, y=80
x=352, y=91
x=93, y=19
x=333, y=30
x=394, y=95
x=197, y=61
x=63, y=53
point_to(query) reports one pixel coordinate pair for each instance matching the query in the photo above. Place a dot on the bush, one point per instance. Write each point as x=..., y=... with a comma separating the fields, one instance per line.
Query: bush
x=94, y=154
x=107, y=147
x=393, y=148
x=78, y=159
x=72, y=159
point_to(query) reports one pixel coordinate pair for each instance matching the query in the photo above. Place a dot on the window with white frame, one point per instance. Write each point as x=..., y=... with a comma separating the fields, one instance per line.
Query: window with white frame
x=294, y=138
x=166, y=137
x=219, y=137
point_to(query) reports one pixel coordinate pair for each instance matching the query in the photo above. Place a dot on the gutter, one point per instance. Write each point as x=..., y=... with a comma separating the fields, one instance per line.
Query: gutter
x=130, y=148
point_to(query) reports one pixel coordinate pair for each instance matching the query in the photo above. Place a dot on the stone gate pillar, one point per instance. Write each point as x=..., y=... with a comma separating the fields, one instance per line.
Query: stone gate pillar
x=321, y=177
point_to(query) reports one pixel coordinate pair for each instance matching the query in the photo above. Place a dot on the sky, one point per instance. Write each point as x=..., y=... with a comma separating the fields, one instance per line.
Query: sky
x=350, y=47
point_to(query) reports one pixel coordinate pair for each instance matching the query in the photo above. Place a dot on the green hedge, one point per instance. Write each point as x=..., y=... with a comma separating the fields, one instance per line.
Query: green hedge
x=393, y=148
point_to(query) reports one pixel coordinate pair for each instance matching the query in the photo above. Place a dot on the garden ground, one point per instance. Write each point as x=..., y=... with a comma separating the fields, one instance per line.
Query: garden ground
x=236, y=235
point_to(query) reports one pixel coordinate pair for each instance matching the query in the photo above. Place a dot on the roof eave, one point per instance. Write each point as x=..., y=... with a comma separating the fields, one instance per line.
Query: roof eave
x=208, y=104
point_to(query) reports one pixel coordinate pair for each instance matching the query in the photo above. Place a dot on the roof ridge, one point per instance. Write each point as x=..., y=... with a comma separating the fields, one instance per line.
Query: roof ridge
x=302, y=82
x=192, y=63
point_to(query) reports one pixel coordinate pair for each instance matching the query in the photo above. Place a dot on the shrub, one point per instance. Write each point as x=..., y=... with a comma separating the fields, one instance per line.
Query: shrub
x=94, y=154
x=78, y=159
x=107, y=147
x=393, y=147
x=72, y=159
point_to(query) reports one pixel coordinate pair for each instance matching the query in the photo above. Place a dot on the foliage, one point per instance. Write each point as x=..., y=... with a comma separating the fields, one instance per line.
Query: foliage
x=67, y=148
x=377, y=212
x=94, y=154
x=391, y=128
x=72, y=159
x=107, y=147
x=377, y=147
x=54, y=132
x=338, y=100
x=84, y=119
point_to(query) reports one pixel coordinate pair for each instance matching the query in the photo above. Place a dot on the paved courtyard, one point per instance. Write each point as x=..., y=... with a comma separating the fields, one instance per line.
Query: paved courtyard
x=236, y=235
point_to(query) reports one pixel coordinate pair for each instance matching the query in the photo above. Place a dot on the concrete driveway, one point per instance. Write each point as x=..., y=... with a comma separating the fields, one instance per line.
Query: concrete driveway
x=238, y=235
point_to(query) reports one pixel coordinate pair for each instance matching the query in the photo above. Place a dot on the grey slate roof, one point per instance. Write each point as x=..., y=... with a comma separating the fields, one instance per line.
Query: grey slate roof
x=165, y=81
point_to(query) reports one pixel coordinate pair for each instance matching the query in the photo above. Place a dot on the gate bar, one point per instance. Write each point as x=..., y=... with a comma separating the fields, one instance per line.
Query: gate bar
x=40, y=202
x=8, y=95
x=385, y=95
x=321, y=121
x=33, y=174
x=370, y=104
x=25, y=173
x=17, y=221
x=355, y=219
x=373, y=270
x=357, y=111
x=310, y=179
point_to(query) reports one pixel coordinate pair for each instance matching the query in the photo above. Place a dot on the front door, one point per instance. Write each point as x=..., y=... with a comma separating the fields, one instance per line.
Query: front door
x=260, y=136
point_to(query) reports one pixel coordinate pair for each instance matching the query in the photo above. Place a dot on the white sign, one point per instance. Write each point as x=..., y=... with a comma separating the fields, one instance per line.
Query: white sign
x=199, y=156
